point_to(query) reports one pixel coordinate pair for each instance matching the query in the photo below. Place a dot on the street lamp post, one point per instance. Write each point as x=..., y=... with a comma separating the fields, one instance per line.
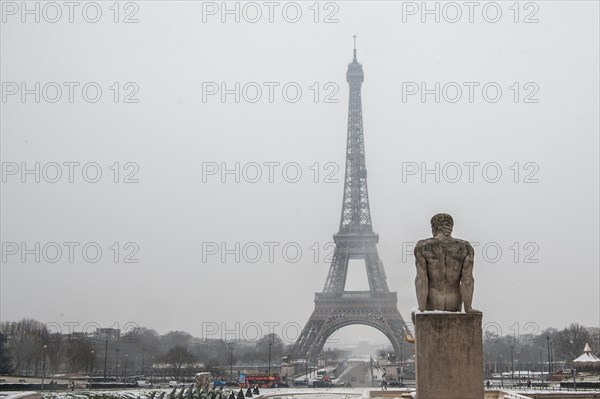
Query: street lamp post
x=44, y=365
x=519, y=368
x=143, y=356
x=125, y=371
x=549, y=357
x=401, y=365
x=231, y=345
x=306, y=367
x=541, y=363
x=512, y=366
x=117, y=350
x=92, y=353
x=105, y=356
x=501, y=372
x=152, y=369
x=270, y=344
x=574, y=378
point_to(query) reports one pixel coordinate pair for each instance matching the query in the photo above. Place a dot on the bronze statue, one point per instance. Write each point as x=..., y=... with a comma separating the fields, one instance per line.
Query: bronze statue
x=444, y=269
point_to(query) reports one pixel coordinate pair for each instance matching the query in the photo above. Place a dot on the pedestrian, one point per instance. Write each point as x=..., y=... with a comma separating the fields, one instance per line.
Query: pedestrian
x=384, y=385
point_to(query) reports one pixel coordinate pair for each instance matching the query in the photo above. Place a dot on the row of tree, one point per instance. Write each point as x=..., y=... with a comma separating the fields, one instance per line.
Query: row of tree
x=534, y=349
x=29, y=347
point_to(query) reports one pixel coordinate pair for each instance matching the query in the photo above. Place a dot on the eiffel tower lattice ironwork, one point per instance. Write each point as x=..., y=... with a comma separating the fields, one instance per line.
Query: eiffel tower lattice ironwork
x=334, y=307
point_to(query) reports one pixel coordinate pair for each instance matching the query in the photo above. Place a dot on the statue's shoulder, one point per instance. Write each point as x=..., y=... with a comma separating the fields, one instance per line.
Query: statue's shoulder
x=461, y=241
x=424, y=242
x=464, y=243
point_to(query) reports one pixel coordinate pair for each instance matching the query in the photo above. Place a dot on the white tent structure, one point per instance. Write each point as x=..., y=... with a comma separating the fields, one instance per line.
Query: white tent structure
x=587, y=358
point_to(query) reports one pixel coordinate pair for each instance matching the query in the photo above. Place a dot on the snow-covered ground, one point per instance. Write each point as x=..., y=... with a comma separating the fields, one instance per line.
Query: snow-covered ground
x=325, y=393
x=317, y=393
x=102, y=394
x=145, y=393
x=281, y=393
x=18, y=394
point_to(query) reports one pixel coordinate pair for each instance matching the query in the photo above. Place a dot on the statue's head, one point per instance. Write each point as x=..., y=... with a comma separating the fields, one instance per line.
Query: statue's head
x=442, y=223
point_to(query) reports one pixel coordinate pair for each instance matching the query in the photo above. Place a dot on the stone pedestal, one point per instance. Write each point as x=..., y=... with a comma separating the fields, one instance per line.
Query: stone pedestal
x=449, y=355
x=287, y=372
x=391, y=371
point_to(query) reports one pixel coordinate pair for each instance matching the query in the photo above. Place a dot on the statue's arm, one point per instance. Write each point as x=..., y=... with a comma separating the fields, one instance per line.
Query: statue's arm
x=422, y=280
x=467, y=282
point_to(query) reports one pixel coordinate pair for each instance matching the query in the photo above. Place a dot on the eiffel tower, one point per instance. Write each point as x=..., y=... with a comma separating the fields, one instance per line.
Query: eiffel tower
x=334, y=307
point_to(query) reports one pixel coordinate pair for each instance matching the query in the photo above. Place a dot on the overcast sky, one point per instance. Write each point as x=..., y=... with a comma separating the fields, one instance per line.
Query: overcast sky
x=172, y=135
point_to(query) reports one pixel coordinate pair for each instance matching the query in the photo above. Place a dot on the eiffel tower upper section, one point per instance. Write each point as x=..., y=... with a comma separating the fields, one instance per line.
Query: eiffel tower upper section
x=356, y=215
x=355, y=238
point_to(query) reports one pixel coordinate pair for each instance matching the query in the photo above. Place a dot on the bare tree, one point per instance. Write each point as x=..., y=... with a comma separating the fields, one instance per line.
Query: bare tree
x=262, y=347
x=5, y=355
x=178, y=357
x=176, y=338
x=55, y=351
x=569, y=343
x=26, y=339
x=595, y=340
x=78, y=349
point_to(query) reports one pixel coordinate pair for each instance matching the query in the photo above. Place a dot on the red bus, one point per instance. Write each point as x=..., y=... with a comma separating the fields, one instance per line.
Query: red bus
x=262, y=380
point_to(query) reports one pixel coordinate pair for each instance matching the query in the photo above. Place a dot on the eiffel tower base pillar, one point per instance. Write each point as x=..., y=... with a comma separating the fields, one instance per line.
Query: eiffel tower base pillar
x=449, y=355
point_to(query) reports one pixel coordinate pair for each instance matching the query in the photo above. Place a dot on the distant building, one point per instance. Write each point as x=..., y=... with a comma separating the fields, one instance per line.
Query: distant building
x=110, y=334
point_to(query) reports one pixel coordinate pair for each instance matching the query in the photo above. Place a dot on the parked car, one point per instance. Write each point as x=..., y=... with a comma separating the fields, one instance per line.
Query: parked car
x=320, y=384
x=144, y=384
x=338, y=383
x=301, y=381
x=175, y=384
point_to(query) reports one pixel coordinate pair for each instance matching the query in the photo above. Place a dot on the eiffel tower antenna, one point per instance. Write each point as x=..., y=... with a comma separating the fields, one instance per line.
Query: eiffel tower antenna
x=334, y=306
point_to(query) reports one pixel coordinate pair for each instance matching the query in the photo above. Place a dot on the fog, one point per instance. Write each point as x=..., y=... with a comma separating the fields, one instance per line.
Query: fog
x=220, y=147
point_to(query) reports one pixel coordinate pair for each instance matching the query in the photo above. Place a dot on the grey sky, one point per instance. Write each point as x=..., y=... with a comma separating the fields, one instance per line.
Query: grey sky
x=174, y=212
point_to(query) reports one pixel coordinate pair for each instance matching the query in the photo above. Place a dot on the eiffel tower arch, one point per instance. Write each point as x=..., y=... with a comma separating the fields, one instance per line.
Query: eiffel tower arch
x=336, y=308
